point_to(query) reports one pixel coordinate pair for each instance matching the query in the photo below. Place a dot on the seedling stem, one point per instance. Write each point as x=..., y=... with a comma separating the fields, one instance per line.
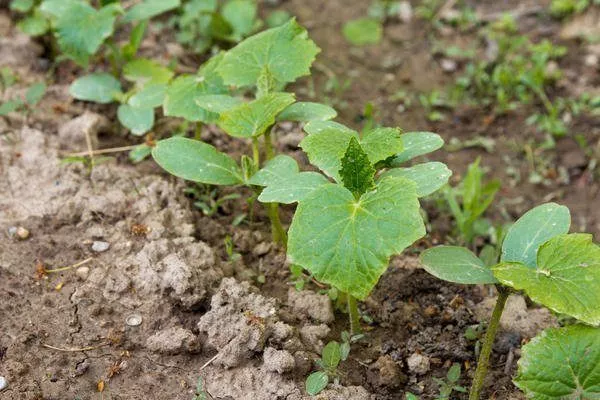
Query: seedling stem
x=354, y=315
x=279, y=235
x=488, y=341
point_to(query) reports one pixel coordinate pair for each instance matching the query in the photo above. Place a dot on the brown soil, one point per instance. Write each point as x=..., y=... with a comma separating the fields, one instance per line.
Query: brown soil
x=69, y=335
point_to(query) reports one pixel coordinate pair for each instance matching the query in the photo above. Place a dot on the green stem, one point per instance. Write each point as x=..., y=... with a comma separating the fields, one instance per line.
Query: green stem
x=354, y=315
x=255, y=153
x=488, y=341
x=198, y=131
x=279, y=235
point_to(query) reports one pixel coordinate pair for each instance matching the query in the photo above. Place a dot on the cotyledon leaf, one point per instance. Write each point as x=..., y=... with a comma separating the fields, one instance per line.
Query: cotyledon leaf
x=150, y=96
x=143, y=71
x=137, y=120
x=456, y=264
x=533, y=229
x=416, y=144
x=254, y=118
x=347, y=242
x=566, y=278
x=196, y=161
x=98, y=87
x=561, y=364
x=150, y=8
x=429, y=177
x=306, y=111
x=284, y=183
x=286, y=52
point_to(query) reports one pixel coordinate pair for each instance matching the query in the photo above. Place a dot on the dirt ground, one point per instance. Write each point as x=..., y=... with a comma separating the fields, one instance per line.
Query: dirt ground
x=155, y=302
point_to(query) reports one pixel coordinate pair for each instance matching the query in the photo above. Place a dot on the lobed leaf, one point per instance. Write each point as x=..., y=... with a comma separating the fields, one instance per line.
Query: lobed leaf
x=561, y=363
x=286, y=52
x=416, y=144
x=254, y=118
x=357, y=172
x=429, y=177
x=566, y=278
x=533, y=229
x=149, y=9
x=196, y=161
x=456, y=264
x=306, y=112
x=137, y=120
x=347, y=242
x=97, y=87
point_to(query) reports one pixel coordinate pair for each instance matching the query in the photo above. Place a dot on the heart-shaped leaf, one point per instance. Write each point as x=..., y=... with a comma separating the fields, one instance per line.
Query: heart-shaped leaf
x=137, y=120
x=416, y=144
x=254, y=118
x=196, y=161
x=307, y=111
x=456, y=264
x=429, y=177
x=533, y=229
x=97, y=87
x=285, y=52
x=347, y=242
x=284, y=183
x=566, y=278
x=561, y=363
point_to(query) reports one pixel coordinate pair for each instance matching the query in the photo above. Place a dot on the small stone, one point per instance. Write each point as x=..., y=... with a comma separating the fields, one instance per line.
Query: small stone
x=3, y=383
x=173, y=341
x=100, y=247
x=405, y=11
x=261, y=249
x=12, y=231
x=22, y=233
x=448, y=65
x=418, y=363
x=82, y=273
x=389, y=372
x=591, y=60
x=279, y=361
x=133, y=320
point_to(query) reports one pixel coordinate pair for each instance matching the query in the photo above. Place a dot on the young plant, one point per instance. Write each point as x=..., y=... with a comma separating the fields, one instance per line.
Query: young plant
x=556, y=269
x=136, y=109
x=333, y=353
x=475, y=198
x=25, y=104
x=201, y=23
x=265, y=62
x=344, y=233
x=34, y=22
x=450, y=384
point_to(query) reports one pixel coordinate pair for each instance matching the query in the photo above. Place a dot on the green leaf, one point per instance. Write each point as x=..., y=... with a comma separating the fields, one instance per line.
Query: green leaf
x=97, y=87
x=363, y=31
x=10, y=106
x=241, y=16
x=152, y=95
x=144, y=71
x=533, y=229
x=316, y=382
x=137, y=120
x=566, y=278
x=35, y=93
x=285, y=51
x=218, y=103
x=34, y=25
x=381, y=143
x=277, y=18
x=429, y=177
x=56, y=8
x=284, y=183
x=81, y=29
x=196, y=161
x=417, y=144
x=254, y=118
x=347, y=242
x=140, y=153
x=327, y=142
x=180, y=100
x=307, y=111
x=331, y=355
x=136, y=36
x=149, y=9
x=453, y=374
x=21, y=5
x=561, y=363
x=357, y=172
x=456, y=264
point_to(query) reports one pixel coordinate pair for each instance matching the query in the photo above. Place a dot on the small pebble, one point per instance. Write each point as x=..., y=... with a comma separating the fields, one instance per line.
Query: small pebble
x=134, y=320
x=99, y=247
x=82, y=273
x=591, y=60
x=405, y=11
x=418, y=363
x=12, y=231
x=3, y=383
x=261, y=249
x=448, y=65
x=19, y=232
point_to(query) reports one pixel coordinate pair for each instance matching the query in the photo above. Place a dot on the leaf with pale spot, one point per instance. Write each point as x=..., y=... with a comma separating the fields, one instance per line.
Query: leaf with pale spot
x=347, y=242
x=566, y=278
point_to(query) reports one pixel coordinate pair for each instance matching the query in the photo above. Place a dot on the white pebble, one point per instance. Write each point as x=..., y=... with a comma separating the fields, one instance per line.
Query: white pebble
x=134, y=320
x=99, y=247
x=3, y=383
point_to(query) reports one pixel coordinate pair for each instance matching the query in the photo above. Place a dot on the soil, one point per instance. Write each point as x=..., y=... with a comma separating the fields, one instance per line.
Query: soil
x=152, y=303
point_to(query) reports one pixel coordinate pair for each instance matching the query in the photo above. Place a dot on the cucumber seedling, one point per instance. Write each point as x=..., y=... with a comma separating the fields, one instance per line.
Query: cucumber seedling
x=558, y=270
